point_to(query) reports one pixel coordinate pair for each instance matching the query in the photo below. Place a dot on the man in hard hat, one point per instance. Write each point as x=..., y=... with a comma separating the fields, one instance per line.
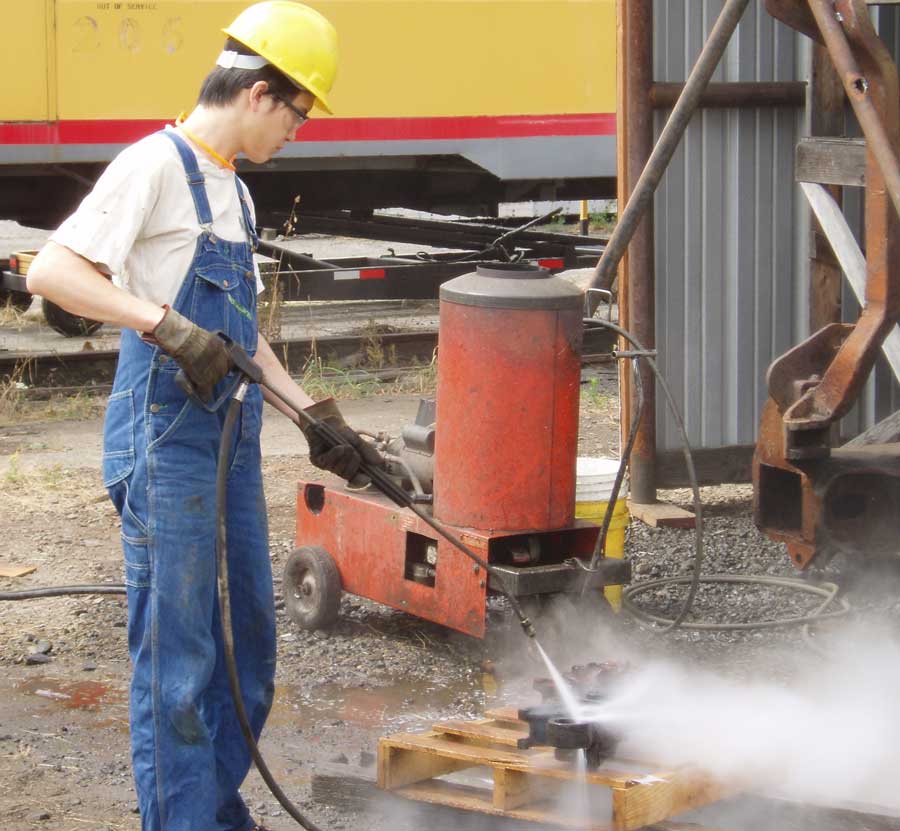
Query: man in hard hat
x=174, y=226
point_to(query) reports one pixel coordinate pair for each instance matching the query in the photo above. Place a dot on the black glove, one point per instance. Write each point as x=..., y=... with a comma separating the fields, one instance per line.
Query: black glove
x=200, y=353
x=343, y=459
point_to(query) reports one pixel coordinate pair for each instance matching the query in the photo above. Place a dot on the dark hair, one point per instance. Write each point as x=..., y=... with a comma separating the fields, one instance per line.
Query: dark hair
x=222, y=85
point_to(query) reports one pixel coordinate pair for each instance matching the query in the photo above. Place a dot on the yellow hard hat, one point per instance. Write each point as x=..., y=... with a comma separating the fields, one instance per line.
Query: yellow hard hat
x=295, y=39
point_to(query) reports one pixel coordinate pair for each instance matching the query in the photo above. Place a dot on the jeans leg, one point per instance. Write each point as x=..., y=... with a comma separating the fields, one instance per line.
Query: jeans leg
x=182, y=542
x=138, y=579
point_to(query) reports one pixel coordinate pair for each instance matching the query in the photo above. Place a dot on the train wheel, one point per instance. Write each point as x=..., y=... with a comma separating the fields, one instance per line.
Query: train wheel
x=72, y=326
x=311, y=586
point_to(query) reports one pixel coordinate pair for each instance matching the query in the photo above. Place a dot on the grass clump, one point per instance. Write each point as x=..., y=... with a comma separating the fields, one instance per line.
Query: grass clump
x=12, y=392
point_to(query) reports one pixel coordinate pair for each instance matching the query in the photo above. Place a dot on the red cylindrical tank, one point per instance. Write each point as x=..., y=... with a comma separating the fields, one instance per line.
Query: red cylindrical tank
x=509, y=371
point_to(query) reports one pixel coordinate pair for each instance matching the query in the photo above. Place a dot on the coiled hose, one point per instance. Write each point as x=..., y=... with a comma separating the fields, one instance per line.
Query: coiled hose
x=662, y=624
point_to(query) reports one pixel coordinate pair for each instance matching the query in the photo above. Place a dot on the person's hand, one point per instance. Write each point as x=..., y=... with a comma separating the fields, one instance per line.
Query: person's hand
x=342, y=459
x=200, y=353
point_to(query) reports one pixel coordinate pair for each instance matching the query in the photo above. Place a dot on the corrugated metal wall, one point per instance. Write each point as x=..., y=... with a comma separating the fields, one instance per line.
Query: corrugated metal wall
x=732, y=233
x=731, y=238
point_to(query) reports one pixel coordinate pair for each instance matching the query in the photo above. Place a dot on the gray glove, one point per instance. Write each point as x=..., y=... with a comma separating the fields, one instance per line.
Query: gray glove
x=343, y=459
x=200, y=353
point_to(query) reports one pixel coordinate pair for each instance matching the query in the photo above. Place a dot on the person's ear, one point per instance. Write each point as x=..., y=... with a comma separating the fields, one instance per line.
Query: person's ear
x=257, y=93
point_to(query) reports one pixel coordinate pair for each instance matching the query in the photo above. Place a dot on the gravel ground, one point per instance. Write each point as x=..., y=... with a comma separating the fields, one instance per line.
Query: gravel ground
x=63, y=738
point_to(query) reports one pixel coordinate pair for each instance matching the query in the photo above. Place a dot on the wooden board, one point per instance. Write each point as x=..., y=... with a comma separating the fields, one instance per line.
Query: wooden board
x=484, y=770
x=831, y=161
x=662, y=514
x=8, y=570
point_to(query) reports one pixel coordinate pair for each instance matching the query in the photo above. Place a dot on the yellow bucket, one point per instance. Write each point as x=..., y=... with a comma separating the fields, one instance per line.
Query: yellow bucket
x=615, y=537
x=593, y=481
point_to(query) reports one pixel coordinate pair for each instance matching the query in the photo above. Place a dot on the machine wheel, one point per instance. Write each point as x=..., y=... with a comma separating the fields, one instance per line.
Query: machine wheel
x=66, y=323
x=19, y=300
x=312, y=588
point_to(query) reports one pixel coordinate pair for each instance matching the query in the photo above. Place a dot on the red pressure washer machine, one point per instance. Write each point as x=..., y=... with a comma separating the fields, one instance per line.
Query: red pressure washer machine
x=493, y=457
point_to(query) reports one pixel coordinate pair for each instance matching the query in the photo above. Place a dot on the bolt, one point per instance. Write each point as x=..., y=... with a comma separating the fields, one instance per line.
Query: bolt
x=476, y=568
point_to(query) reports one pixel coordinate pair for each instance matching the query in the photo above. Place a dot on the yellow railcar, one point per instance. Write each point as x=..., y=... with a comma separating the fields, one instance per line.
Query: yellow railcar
x=438, y=103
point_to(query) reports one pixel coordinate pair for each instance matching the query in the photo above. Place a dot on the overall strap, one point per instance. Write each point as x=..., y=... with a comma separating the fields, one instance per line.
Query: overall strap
x=245, y=210
x=195, y=180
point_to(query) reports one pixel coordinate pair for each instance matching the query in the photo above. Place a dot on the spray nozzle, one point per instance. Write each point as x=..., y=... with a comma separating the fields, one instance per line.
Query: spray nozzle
x=528, y=626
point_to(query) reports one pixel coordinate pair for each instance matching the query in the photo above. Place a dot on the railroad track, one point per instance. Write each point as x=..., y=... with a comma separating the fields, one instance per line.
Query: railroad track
x=93, y=370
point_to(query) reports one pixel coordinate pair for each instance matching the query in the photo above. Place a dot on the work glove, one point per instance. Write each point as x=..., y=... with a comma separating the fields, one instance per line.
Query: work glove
x=200, y=353
x=343, y=459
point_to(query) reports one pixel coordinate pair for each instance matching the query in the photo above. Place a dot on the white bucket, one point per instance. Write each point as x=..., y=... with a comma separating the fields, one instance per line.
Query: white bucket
x=594, y=479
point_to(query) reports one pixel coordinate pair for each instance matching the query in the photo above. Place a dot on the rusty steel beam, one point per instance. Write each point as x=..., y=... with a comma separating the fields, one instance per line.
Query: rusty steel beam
x=749, y=94
x=634, y=142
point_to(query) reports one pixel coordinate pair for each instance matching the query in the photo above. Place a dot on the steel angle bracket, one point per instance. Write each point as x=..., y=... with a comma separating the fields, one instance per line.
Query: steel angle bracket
x=562, y=577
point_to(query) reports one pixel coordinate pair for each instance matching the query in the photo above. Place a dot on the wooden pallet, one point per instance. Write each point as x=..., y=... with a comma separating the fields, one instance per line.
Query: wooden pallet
x=477, y=766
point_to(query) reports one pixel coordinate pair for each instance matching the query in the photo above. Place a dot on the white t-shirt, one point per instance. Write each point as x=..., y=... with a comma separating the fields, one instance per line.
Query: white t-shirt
x=139, y=223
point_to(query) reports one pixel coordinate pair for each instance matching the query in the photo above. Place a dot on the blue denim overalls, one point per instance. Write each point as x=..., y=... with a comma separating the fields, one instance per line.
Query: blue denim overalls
x=159, y=465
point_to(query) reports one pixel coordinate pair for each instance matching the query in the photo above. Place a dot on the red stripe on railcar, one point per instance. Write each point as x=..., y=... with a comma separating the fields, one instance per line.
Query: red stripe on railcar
x=332, y=129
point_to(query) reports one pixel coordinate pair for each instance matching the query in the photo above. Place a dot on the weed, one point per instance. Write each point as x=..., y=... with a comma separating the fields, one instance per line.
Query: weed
x=419, y=380
x=14, y=474
x=270, y=309
x=76, y=407
x=26, y=483
x=321, y=380
x=376, y=355
x=12, y=391
x=16, y=407
x=52, y=477
x=603, y=220
x=594, y=396
x=11, y=315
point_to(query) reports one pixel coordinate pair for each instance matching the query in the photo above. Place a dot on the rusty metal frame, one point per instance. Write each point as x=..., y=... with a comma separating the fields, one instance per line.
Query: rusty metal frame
x=817, y=382
x=831, y=381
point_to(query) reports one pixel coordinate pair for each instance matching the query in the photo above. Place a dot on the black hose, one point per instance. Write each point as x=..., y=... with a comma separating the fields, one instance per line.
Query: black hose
x=231, y=415
x=62, y=591
x=600, y=547
x=689, y=463
x=662, y=624
x=224, y=606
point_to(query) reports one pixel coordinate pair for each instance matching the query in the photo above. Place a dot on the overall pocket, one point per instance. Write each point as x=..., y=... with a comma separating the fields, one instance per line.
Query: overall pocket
x=171, y=415
x=225, y=300
x=135, y=542
x=118, y=438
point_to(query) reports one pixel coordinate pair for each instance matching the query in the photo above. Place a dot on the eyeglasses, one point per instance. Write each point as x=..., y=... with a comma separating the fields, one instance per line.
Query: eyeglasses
x=300, y=116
